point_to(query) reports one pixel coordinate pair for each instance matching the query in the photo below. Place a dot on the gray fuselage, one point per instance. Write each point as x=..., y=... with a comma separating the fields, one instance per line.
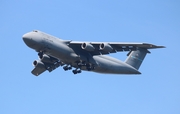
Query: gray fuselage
x=60, y=49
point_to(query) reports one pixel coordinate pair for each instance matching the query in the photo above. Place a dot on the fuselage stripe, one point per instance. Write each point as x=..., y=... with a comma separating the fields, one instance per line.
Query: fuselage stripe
x=136, y=58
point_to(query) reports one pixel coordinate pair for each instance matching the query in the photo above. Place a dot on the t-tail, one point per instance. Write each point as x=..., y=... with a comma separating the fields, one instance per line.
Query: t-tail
x=135, y=58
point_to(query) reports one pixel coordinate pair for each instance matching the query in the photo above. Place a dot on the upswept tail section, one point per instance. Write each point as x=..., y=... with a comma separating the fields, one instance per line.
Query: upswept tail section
x=135, y=58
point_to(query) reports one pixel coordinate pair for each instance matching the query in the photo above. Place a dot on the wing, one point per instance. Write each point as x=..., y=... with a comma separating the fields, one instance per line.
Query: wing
x=38, y=70
x=98, y=48
x=46, y=62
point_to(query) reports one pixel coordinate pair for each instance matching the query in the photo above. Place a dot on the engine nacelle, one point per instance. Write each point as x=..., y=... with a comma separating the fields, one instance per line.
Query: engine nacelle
x=39, y=64
x=45, y=58
x=105, y=47
x=87, y=46
x=48, y=59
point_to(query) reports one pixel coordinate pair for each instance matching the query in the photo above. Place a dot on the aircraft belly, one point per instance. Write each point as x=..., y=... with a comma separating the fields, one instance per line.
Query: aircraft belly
x=111, y=65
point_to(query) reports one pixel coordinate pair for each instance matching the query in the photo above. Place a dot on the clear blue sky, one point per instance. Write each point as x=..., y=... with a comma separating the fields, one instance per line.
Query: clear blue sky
x=155, y=91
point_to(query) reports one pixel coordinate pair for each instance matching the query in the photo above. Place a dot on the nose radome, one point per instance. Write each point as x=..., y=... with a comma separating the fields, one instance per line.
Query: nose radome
x=27, y=38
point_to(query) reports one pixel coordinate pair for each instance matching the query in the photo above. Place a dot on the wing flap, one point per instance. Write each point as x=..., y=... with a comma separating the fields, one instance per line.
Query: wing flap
x=38, y=70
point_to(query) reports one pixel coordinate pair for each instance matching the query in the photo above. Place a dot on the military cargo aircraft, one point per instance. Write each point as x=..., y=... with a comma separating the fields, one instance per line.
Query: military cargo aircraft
x=89, y=56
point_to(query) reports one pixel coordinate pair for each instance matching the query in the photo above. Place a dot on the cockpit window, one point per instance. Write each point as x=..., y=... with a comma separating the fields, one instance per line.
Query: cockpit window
x=35, y=31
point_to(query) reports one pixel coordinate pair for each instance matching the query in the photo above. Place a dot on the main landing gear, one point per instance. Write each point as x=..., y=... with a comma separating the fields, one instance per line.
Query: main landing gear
x=88, y=66
x=69, y=67
x=77, y=70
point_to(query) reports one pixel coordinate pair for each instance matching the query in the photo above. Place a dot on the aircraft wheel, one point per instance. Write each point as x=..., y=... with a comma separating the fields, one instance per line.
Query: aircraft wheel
x=79, y=71
x=50, y=69
x=65, y=68
x=69, y=68
x=75, y=71
x=89, y=69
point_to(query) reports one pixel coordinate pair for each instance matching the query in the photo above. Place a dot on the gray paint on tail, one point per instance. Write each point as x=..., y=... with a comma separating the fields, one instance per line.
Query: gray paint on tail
x=135, y=58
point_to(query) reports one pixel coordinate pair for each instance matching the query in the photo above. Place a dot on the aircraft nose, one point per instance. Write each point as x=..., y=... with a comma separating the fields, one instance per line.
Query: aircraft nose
x=27, y=38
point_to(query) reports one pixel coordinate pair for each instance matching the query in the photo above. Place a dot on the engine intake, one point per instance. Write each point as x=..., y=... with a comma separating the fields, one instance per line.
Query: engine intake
x=87, y=46
x=39, y=64
x=105, y=47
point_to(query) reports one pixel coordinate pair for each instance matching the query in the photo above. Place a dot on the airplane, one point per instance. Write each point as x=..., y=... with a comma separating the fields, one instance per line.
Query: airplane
x=89, y=56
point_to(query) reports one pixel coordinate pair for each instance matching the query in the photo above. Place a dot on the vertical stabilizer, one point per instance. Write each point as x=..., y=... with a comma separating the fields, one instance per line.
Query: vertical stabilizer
x=135, y=58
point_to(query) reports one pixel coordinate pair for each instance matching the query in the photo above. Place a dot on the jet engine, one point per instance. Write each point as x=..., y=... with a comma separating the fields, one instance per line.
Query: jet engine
x=45, y=58
x=105, y=47
x=87, y=46
x=48, y=59
x=39, y=64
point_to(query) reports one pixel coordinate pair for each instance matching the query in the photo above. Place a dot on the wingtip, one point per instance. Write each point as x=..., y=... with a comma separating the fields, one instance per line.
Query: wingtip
x=155, y=46
x=161, y=47
x=152, y=46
